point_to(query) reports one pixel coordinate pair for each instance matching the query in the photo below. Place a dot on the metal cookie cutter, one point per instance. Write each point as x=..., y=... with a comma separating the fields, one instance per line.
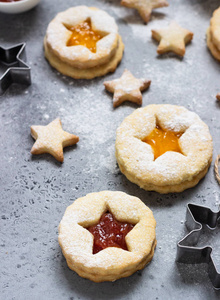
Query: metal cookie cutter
x=187, y=252
x=18, y=71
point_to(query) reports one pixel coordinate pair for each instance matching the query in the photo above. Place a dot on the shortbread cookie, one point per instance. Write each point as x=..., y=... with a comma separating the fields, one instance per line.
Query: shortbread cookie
x=215, y=28
x=51, y=139
x=172, y=39
x=127, y=88
x=144, y=7
x=178, y=166
x=213, y=49
x=83, y=42
x=216, y=168
x=111, y=261
x=90, y=73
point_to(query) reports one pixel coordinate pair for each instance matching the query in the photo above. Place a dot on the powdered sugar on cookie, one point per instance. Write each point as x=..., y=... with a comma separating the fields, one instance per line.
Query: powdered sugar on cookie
x=144, y=7
x=172, y=171
x=111, y=263
x=127, y=88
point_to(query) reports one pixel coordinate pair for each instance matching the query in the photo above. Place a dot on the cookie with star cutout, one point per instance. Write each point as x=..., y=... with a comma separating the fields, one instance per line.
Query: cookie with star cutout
x=52, y=139
x=163, y=148
x=144, y=7
x=83, y=42
x=107, y=235
x=172, y=39
x=127, y=88
x=213, y=35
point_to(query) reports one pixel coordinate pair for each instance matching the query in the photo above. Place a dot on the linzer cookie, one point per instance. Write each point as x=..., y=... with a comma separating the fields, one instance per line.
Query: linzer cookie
x=213, y=35
x=83, y=42
x=164, y=148
x=127, y=88
x=144, y=7
x=172, y=39
x=107, y=235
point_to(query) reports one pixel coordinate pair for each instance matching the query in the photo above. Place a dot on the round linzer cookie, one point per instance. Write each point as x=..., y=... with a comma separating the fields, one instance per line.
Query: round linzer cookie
x=83, y=42
x=107, y=235
x=213, y=34
x=164, y=148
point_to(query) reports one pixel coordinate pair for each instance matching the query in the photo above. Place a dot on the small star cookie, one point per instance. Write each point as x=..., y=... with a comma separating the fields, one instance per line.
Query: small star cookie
x=127, y=88
x=144, y=7
x=51, y=139
x=172, y=38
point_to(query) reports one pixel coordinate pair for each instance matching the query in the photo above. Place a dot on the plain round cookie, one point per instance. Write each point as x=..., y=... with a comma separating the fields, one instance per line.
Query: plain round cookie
x=172, y=171
x=111, y=263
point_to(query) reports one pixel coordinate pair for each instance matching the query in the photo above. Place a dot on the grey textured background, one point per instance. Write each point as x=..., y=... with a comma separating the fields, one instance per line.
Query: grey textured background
x=35, y=190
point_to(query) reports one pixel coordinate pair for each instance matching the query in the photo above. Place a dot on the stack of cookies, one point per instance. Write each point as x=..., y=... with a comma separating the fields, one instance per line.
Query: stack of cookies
x=79, y=60
x=213, y=34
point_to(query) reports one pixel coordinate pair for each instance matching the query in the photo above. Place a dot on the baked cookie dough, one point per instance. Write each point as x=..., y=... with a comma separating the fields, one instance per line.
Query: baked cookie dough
x=172, y=171
x=72, y=54
x=144, y=7
x=127, y=88
x=213, y=34
x=111, y=263
x=212, y=47
x=172, y=39
x=52, y=139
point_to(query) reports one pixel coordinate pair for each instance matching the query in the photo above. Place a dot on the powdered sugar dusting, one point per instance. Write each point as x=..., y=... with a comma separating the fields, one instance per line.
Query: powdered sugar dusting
x=136, y=158
x=77, y=242
x=58, y=34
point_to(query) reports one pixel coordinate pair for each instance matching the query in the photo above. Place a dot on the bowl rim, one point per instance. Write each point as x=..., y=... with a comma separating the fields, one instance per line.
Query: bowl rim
x=16, y=3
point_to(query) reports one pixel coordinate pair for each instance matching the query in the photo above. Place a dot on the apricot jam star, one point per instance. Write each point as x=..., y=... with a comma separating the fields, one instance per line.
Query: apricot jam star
x=83, y=34
x=162, y=141
x=172, y=39
x=52, y=139
x=144, y=7
x=127, y=88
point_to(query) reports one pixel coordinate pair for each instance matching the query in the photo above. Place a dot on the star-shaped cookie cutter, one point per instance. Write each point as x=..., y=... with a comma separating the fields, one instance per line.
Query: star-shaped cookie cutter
x=18, y=71
x=187, y=252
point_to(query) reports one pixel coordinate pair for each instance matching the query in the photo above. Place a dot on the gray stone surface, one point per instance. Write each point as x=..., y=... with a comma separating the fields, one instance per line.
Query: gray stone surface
x=35, y=190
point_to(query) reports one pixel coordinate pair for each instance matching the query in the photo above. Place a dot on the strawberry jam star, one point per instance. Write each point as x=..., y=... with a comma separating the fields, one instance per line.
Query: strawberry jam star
x=52, y=139
x=127, y=88
x=144, y=7
x=172, y=38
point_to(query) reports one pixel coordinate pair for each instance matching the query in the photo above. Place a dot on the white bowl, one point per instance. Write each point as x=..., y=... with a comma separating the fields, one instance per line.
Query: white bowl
x=18, y=6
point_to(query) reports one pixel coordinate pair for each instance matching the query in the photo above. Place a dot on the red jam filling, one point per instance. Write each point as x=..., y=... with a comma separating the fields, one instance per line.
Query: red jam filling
x=9, y=0
x=109, y=233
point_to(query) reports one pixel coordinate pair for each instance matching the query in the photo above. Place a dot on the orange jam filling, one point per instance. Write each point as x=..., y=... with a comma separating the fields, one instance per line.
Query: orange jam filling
x=109, y=233
x=162, y=141
x=83, y=35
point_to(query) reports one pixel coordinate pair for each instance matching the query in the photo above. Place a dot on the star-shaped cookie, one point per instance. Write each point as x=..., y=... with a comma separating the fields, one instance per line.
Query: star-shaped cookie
x=172, y=38
x=51, y=139
x=127, y=88
x=144, y=7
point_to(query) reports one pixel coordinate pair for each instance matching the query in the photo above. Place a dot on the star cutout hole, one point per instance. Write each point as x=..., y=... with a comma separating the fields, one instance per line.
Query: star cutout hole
x=83, y=34
x=162, y=140
x=109, y=232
